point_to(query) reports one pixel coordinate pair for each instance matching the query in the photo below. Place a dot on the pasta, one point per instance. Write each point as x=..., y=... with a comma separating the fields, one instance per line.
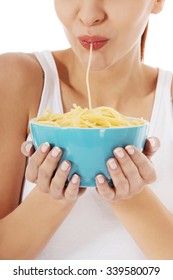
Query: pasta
x=87, y=77
x=100, y=117
x=88, y=118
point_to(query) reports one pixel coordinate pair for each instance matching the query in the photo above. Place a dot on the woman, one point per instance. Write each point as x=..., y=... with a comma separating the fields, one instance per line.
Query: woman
x=44, y=220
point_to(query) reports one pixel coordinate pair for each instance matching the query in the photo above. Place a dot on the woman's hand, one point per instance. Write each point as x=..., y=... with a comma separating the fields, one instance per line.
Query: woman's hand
x=41, y=170
x=130, y=171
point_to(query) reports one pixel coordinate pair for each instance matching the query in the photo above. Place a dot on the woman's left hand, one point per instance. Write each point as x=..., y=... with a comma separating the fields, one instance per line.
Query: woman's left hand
x=130, y=171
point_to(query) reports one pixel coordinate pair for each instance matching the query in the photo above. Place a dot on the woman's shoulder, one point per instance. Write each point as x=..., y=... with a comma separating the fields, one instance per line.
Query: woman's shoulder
x=19, y=61
x=18, y=68
x=21, y=78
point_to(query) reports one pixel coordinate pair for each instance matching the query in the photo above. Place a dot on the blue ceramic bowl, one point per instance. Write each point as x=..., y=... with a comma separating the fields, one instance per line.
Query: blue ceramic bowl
x=88, y=149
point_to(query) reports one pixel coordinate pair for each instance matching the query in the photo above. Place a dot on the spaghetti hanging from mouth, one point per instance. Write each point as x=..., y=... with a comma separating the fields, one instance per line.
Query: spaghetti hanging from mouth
x=99, y=117
x=87, y=76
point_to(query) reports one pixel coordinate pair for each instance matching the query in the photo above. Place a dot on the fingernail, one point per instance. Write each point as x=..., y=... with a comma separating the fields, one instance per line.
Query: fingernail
x=112, y=164
x=28, y=147
x=75, y=179
x=64, y=166
x=45, y=147
x=130, y=150
x=152, y=142
x=119, y=153
x=55, y=152
x=100, y=179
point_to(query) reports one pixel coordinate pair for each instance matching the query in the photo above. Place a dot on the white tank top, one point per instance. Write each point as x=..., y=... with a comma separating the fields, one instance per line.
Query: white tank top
x=91, y=230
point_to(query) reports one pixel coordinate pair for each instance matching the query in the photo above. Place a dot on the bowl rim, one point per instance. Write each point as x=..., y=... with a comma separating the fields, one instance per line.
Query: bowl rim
x=146, y=123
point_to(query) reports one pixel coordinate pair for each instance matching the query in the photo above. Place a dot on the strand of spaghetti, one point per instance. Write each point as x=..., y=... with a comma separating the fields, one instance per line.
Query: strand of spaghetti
x=87, y=77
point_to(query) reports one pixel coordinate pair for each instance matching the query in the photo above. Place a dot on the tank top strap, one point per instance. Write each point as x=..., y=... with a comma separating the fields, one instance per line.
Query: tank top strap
x=51, y=94
x=163, y=100
x=163, y=89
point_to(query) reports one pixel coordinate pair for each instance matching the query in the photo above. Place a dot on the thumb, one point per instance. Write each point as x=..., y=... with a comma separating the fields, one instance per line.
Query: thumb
x=27, y=148
x=151, y=146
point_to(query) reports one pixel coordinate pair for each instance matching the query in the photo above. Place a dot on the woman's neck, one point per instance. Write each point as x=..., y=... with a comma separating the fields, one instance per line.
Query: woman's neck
x=126, y=79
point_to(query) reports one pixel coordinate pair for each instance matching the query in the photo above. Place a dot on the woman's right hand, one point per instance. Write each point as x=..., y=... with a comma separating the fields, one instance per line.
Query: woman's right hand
x=41, y=170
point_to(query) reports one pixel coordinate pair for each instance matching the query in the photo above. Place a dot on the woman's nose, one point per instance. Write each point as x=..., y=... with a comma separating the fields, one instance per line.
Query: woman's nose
x=91, y=14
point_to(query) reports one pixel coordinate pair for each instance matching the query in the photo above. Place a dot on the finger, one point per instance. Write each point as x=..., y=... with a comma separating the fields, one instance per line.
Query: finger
x=47, y=168
x=72, y=190
x=151, y=146
x=27, y=148
x=143, y=164
x=58, y=181
x=103, y=188
x=35, y=161
x=119, y=179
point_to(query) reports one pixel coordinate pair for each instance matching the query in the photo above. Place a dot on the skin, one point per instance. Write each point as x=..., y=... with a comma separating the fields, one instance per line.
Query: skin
x=117, y=65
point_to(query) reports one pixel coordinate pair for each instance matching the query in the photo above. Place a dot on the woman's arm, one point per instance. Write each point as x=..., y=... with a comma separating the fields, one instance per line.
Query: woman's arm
x=149, y=222
x=139, y=210
x=24, y=229
x=16, y=78
x=137, y=207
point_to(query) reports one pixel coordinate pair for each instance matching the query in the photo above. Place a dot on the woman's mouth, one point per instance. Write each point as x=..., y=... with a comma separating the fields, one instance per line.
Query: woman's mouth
x=97, y=41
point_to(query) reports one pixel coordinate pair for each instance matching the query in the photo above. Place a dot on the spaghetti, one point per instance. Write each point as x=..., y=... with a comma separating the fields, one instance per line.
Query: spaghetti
x=99, y=117
x=87, y=77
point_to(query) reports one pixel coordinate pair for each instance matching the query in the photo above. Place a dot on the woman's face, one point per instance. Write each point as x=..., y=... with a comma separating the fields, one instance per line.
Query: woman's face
x=114, y=26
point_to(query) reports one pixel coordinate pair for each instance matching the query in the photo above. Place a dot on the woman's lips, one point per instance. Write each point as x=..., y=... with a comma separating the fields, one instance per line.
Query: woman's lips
x=97, y=41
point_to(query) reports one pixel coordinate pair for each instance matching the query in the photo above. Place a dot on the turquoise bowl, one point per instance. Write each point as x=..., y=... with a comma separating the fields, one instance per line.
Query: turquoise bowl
x=88, y=149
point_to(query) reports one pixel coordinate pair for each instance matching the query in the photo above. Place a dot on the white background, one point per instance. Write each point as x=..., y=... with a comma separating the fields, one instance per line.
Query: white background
x=32, y=25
